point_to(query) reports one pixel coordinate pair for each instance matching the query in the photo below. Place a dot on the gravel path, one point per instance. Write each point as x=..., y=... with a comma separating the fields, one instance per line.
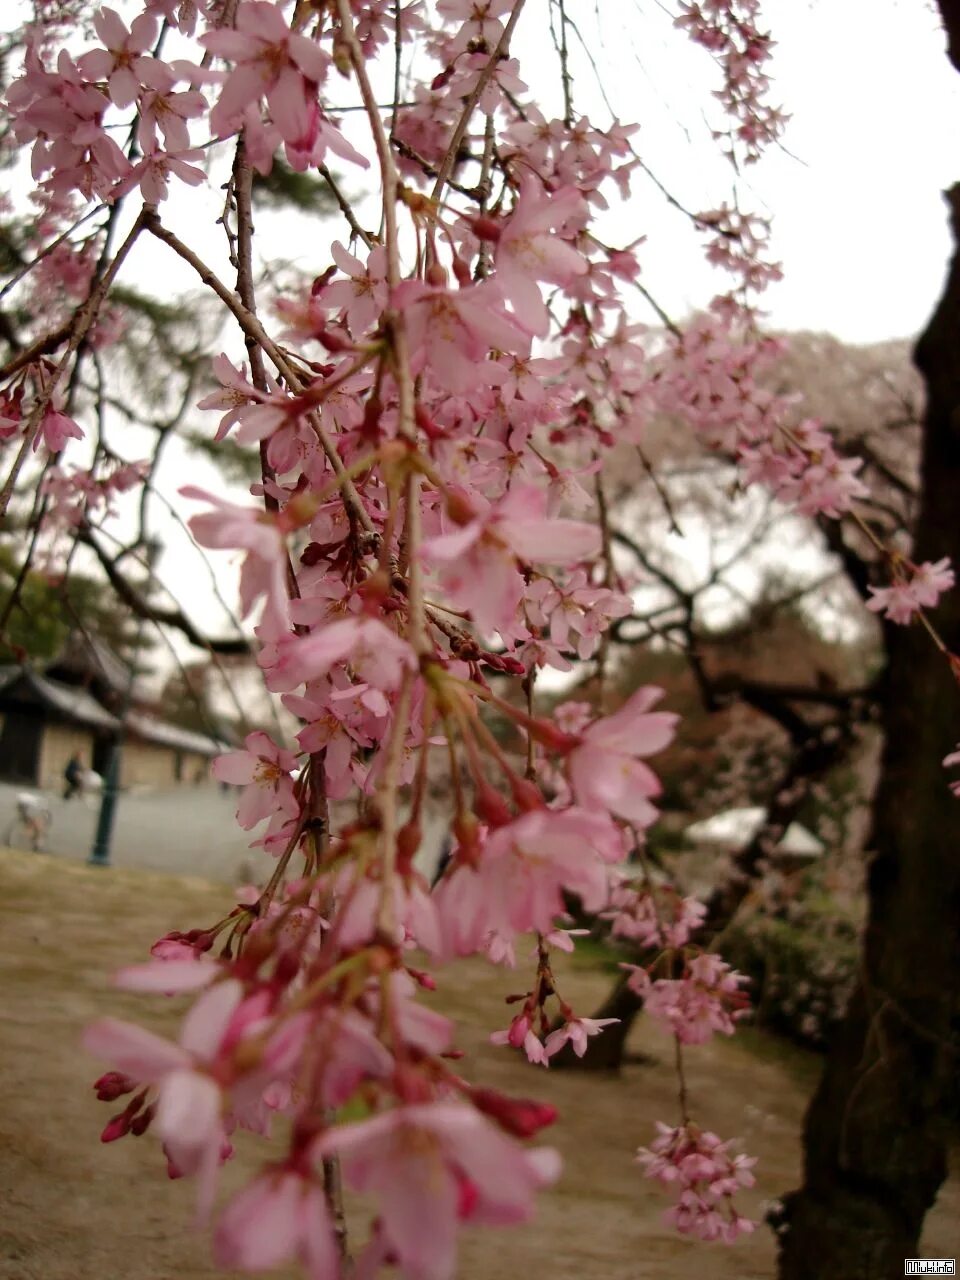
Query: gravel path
x=183, y=831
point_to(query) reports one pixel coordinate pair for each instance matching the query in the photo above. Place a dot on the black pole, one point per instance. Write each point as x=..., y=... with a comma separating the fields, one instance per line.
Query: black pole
x=100, y=852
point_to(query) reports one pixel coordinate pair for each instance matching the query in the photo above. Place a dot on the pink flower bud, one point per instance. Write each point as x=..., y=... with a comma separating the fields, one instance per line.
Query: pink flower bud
x=491, y=807
x=462, y=271
x=485, y=228
x=518, y=1030
x=527, y=796
x=141, y=1123
x=113, y=1085
x=523, y=1117
x=116, y=1127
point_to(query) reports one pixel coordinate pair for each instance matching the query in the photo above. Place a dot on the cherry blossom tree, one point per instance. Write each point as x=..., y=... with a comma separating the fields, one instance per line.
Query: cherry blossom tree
x=432, y=413
x=809, y=717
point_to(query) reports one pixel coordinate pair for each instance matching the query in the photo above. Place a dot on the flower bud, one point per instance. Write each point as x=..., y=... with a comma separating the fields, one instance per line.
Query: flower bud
x=466, y=828
x=518, y=1030
x=485, y=228
x=321, y=281
x=526, y=795
x=113, y=1085
x=116, y=1127
x=492, y=807
x=523, y=1117
x=552, y=737
x=427, y=425
x=461, y=270
x=141, y=1123
x=422, y=979
x=459, y=508
x=408, y=842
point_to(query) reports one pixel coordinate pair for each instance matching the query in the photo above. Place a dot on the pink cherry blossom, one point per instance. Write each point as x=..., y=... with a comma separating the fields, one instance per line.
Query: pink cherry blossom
x=153, y=171
x=528, y=250
x=520, y=879
x=504, y=79
x=278, y=1217
x=189, y=1107
x=251, y=530
x=653, y=918
x=163, y=111
x=607, y=769
x=452, y=332
x=264, y=771
x=418, y=1161
x=170, y=976
x=479, y=560
x=902, y=601
x=375, y=653
x=699, y=1168
x=479, y=19
x=56, y=429
x=237, y=394
x=520, y=1035
x=181, y=14
x=576, y=607
x=363, y=295
x=930, y=581
x=576, y=1031
x=898, y=603
x=121, y=62
x=283, y=66
x=706, y=999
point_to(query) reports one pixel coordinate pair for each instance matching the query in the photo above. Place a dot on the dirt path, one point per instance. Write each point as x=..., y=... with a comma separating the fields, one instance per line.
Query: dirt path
x=73, y=1210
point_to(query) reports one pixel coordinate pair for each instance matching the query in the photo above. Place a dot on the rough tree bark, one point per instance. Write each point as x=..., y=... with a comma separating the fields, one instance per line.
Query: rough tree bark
x=874, y=1137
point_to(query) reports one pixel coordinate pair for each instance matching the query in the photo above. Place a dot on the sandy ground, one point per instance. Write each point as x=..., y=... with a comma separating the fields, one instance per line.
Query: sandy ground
x=74, y=1210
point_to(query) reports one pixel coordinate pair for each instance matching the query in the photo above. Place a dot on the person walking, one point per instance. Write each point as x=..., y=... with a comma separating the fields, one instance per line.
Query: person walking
x=73, y=776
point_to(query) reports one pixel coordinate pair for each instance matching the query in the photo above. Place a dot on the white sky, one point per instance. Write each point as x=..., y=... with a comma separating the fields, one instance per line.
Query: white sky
x=859, y=221
x=860, y=224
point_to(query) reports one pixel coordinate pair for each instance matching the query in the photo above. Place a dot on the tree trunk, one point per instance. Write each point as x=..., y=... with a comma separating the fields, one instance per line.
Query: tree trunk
x=874, y=1136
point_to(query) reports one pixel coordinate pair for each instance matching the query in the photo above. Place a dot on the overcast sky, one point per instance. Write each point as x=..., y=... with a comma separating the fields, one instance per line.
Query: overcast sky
x=855, y=190
x=859, y=222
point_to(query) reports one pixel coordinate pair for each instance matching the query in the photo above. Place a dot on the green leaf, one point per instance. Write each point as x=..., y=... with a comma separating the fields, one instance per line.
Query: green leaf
x=283, y=188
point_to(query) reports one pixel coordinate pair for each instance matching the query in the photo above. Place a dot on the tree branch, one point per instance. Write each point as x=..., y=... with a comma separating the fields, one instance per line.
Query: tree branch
x=176, y=618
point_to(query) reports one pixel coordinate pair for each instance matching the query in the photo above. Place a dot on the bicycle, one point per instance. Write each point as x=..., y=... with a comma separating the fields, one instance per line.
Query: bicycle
x=32, y=824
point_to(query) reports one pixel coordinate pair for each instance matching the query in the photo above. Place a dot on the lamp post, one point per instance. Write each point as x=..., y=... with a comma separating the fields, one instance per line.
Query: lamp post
x=100, y=852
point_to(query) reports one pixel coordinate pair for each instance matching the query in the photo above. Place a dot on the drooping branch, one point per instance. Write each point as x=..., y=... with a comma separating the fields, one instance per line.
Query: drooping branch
x=165, y=617
x=453, y=148
x=253, y=329
x=79, y=327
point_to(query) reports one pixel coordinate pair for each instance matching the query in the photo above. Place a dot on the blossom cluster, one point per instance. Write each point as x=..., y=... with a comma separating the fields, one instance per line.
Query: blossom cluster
x=915, y=587
x=728, y=28
x=706, y=998
x=433, y=420
x=713, y=380
x=704, y=1176
x=655, y=919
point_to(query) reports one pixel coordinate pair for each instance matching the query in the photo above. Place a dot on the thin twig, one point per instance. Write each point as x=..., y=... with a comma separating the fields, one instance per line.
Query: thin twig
x=449, y=160
x=250, y=324
x=79, y=327
x=345, y=207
